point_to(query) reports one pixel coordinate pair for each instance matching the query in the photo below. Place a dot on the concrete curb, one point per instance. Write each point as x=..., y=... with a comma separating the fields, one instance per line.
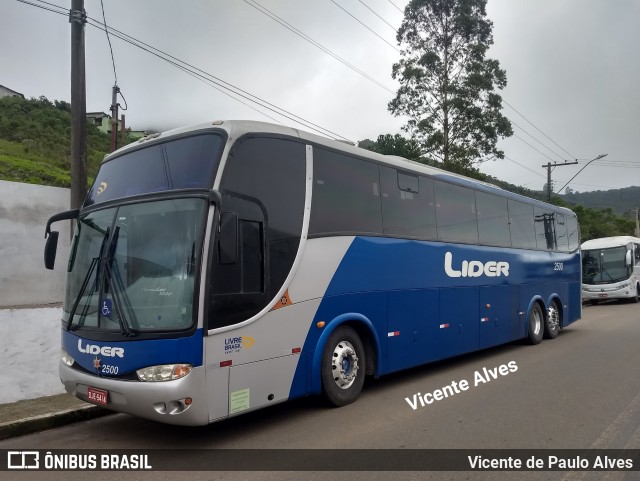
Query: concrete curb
x=42, y=422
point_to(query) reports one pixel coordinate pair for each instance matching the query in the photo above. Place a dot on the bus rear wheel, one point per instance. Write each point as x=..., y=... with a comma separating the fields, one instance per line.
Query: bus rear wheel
x=536, y=324
x=552, y=322
x=342, y=368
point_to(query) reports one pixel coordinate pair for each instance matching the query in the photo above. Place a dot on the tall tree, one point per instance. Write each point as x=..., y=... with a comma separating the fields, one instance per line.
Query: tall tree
x=447, y=86
x=397, y=145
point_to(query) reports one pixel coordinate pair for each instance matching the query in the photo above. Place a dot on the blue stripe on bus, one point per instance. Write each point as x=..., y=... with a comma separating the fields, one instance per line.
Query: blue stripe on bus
x=135, y=354
x=400, y=286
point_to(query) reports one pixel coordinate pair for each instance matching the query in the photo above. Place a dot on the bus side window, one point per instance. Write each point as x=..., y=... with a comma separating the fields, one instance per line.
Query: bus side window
x=523, y=234
x=561, y=232
x=408, y=206
x=544, y=222
x=456, y=213
x=346, y=195
x=572, y=232
x=493, y=220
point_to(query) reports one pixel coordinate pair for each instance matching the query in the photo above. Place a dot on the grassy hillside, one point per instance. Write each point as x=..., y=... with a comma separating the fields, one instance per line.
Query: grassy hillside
x=17, y=164
x=35, y=142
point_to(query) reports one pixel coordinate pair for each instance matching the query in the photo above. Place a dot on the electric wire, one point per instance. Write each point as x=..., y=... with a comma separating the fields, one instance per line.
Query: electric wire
x=377, y=15
x=525, y=167
x=364, y=25
x=538, y=141
x=531, y=123
x=398, y=8
x=106, y=30
x=217, y=81
x=265, y=11
x=534, y=148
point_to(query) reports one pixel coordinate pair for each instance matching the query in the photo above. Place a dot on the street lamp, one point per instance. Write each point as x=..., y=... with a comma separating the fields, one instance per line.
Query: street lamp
x=586, y=165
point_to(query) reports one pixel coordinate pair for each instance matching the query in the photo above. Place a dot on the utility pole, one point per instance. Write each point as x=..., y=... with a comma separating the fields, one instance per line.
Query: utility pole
x=114, y=117
x=637, y=211
x=548, y=167
x=78, y=19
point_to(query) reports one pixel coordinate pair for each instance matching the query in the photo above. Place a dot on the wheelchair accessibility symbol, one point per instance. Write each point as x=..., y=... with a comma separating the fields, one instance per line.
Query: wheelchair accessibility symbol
x=106, y=308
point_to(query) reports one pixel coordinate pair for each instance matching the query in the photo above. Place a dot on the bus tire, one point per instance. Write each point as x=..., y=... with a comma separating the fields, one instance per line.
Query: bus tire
x=343, y=367
x=536, y=324
x=552, y=322
x=636, y=298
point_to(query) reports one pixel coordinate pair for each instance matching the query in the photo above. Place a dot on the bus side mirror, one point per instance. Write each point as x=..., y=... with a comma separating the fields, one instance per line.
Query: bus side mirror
x=628, y=259
x=51, y=246
x=50, y=249
x=228, y=238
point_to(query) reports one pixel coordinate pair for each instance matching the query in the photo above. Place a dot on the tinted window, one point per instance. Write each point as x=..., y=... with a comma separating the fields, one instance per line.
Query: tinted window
x=264, y=184
x=191, y=162
x=346, y=195
x=544, y=222
x=572, y=232
x=562, y=240
x=493, y=220
x=405, y=212
x=456, y=213
x=521, y=225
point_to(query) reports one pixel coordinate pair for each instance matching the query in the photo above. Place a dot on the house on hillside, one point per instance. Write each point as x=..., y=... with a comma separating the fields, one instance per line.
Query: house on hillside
x=7, y=92
x=103, y=122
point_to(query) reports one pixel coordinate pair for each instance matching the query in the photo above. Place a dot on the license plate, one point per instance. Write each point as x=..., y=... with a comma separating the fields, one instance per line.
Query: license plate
x=97, y=395
x=603, y=295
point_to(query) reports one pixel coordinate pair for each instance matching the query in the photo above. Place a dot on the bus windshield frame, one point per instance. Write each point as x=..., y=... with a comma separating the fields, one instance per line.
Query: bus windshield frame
x=604, y=266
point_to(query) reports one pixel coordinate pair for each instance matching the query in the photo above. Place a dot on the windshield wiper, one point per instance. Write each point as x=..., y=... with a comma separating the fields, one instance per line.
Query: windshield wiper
x=85, y=282
x=116, y=285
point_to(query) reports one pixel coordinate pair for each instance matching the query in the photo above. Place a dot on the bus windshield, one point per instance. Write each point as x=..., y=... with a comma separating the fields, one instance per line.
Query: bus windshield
x=604, y=266
x=132, y=268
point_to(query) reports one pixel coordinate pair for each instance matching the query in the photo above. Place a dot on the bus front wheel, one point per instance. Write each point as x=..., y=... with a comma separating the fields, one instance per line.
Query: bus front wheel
x=536, y=324
x=343, y=365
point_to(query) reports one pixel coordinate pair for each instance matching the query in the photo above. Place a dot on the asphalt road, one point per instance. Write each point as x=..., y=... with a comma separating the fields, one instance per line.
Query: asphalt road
x=581, y=390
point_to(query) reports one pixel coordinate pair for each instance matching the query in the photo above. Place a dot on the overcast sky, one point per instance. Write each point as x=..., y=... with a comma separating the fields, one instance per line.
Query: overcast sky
x=573, y=70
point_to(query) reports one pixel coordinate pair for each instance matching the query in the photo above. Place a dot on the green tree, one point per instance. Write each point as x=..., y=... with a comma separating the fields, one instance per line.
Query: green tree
x=397, y=145
x=447, y=86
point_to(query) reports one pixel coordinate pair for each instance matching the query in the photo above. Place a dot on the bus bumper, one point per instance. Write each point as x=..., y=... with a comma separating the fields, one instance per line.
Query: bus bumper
x=622, y=291
x=166, y=402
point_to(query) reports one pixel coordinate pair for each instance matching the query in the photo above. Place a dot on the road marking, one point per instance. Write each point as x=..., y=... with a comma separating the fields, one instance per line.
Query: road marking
x=613, y=438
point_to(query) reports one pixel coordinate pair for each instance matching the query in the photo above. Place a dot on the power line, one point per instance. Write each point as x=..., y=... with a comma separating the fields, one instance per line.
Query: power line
x=398, y=8
x=525, y=167
x=376, y=14
x=185, y=66
x=215, y=80
x=64, y=11
x=106, y=30
x=534, y=138
x=265, y=11
x=364, y=25
x=534, y=148
x=531, y=123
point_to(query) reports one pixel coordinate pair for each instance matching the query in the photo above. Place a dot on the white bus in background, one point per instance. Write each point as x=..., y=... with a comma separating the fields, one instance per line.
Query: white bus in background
x=611, y=269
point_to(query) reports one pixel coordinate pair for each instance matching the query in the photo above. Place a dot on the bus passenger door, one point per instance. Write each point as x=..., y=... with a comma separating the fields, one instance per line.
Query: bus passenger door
x=497, y=314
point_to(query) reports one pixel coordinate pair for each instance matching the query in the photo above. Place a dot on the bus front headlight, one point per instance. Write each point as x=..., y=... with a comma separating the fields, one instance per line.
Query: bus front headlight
x=166, y=372
x=66, y=359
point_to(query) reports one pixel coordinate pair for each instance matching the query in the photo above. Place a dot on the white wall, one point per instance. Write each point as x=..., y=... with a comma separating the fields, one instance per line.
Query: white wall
x=24, y=211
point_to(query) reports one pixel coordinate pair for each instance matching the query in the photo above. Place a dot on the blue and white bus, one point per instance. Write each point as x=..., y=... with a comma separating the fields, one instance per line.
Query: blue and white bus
x=611, y=269
x=230, y=266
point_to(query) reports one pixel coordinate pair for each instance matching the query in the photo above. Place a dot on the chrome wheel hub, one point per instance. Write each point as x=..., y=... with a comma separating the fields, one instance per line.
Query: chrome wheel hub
x=344, y=365
x=554, y=318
